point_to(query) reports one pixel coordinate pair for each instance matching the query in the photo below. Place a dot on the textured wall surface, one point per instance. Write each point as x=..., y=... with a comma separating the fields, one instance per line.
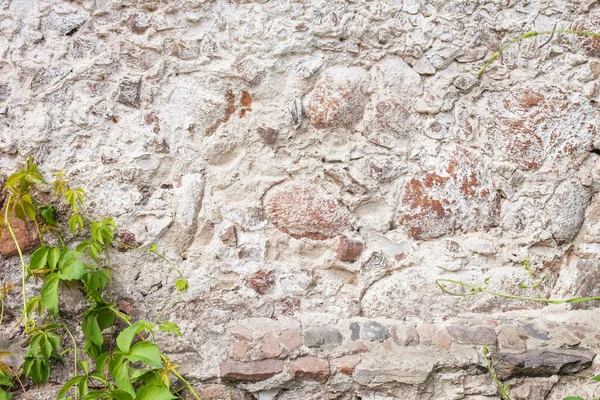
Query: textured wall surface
x=313, y=166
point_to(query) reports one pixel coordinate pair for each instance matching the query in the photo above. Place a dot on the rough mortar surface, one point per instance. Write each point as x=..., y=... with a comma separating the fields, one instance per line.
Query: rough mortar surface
x=313, y=166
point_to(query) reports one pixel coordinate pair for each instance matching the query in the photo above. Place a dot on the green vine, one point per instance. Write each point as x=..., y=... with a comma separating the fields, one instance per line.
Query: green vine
x=129, y=366
x=528, y=35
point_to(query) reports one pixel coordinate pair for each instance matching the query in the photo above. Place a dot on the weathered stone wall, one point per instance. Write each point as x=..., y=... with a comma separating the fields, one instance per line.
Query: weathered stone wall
x=313, y=166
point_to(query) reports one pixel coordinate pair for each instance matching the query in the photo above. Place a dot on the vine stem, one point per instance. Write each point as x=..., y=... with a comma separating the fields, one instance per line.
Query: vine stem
x=23, y=265
x=503, y=388
x=20, y=383
x=164, y=310
x=186, y=383
x=483, y=289
x=74, y=348
x=526, y=35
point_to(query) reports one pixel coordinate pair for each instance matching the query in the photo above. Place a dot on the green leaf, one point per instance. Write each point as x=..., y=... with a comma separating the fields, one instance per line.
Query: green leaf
x=120, y=395
x=13, y=179
x=53, y=257
x=96, y=394
x=54, y=341
x=83, y=364
x=91, y=329
x=49, y=214
x=574, y=398
x=147, y=353
x=122, y=379
x=73, y=269
x=39, y=258
x=49, y=294
x=597, y=378
x=68, y=256
x=182, y=285
x=4, y=395
x=46, y=347
x=154, y=392
x=69, y=384
x=170, y=327
x=5, y=380
x=126, y=337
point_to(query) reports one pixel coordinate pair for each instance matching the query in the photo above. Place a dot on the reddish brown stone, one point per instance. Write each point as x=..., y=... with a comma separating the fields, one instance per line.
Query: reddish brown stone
x=268, y=135
x=252, y=371
x=240, y=348
x=291, y=339
x=229, y=110
x=127, y=240
x=336, y=100
x=310, y=368
x=529, y=124
x=251, y=72
x=459, y=197
x=262, y=281
x=24, y=233
x=589, y=44
x=246, y=103
x=305, y=210
x=126, y=306
x=346, y=364
x=270, y=347
x=218, y=392
x=442, y=341
x=348, y=249
x=229, y=236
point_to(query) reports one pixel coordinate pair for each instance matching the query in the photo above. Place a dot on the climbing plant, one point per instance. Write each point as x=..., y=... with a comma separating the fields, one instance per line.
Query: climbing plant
x=111, y=363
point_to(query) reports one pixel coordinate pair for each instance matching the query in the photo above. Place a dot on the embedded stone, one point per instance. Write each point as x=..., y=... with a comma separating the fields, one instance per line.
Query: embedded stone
x=184, y=49
x=480, y=246
x=129, y=92
x=337, y=100
x=530, y=125
x=535, y=331
x=305, y=210
x=252, y=371
x=49, y=76
x=478, y=334
x=64, y=24
x=138, y=22
x=229, y=236
x=348, y=249
x=262, y=281
x=218, y=392
x=127, y=240
x=512, y=337
x=566, y=210
x=374, y=332
x=310, y=368
x=346, y=364
x=251, y=71
x=589, y=44
x=267, y=135
x=24, y=233
x=541, y=362
x=458, y=197
x=291, y=339
x=322, y=337
x=270, y=347
x=390, y=124
x=405, y=335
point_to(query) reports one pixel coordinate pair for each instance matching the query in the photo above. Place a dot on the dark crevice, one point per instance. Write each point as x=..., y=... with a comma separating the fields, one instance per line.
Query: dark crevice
x=595, y=151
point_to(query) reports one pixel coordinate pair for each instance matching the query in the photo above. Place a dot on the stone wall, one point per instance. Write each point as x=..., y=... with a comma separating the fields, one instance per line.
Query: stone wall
x=313, y=166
